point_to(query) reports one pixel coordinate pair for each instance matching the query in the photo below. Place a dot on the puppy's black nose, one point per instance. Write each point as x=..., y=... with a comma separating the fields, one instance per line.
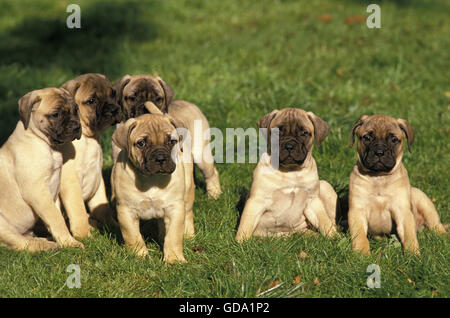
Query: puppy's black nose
x=76, y=126
x=379, y=152
x=160, y=158
x=289, y=146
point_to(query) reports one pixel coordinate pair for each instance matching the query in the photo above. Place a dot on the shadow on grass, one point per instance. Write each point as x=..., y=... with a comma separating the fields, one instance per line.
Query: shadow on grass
x=39, y=45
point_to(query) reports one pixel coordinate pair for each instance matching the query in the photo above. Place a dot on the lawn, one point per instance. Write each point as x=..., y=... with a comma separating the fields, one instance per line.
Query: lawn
x=238, y=60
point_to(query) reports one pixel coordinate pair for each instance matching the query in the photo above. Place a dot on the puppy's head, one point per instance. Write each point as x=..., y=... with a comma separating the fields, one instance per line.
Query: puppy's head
x=52, y=114
x=380, y=141
x=151, y=141
x=133, y=91
x=296, y=131
x=96, y=99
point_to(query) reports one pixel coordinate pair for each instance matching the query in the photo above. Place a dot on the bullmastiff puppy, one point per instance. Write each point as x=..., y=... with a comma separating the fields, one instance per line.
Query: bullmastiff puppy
x=288, y=197
x=149, y=181
x=30, y=170
x=381, y=199
x=133, y=91
x=82, y=182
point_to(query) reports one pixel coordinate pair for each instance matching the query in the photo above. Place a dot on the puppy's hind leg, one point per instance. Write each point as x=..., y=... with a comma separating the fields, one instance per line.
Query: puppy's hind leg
x=204, y=159
x=423, y=208
x=10, y=237
x=100, y=210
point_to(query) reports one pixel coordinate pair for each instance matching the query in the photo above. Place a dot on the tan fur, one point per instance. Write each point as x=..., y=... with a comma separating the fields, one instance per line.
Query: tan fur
x=285, y=202
x=82, y=180
x=30, y=168
x=377, y=201
x=139, y=196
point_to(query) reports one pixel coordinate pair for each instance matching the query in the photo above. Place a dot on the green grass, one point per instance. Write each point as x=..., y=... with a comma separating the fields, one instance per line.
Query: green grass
x=238, y=60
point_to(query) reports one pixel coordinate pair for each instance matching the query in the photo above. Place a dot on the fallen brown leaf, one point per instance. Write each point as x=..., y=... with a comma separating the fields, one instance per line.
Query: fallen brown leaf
x=316, y=281
x=325, y=17
x=297, y=279
x=357, y=18
x=274, y=283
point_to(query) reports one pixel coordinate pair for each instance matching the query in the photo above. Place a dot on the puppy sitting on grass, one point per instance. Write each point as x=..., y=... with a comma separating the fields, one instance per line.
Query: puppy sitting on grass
x=30, y=170
x=289, y=198
x=82, y=180
x=150, y=181
x=381, y=199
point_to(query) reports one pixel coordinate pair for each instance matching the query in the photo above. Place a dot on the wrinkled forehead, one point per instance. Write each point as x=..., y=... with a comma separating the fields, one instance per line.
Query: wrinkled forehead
x=291, y=120
x=98, y=85
x=381, y=127
x=142, y=83
x=55, y=98
x=156, y=127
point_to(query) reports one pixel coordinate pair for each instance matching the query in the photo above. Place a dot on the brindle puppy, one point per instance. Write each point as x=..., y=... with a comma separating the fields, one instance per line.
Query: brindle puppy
x=381, y=199
x=134, y=91
x=30, y=168
x=288, y=197
x=82, y=180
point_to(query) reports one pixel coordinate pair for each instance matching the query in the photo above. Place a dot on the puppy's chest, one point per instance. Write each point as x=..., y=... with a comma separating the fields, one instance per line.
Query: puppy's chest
x=381, y=202
x=149, y=205
x=55, y=176
x=288, y=201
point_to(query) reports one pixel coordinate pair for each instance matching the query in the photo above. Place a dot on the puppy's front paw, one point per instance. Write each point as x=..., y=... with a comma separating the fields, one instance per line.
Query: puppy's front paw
x=41, y=244
x=82, y=231
x=141, y=252
x=362, y=246
x=171, y=259
x=71, y=243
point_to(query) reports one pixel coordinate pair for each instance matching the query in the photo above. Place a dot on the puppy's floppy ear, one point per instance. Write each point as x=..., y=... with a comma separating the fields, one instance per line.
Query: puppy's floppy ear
x=168, y=91
x=358, y=123
x=26, y=105
x=119, y=86
x=321, y=128
x=407, y=130
x=123, y=132
x=72, y=86
x=264, y=122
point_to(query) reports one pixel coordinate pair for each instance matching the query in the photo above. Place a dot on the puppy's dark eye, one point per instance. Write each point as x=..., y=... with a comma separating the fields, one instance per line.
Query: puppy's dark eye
x=366, y=137
x=55, y=115
x=159, y=99
x=304, y=133
x=395, y=139
x=173, y=141
x=141, y=143
x=131, y=98
x=91, y=100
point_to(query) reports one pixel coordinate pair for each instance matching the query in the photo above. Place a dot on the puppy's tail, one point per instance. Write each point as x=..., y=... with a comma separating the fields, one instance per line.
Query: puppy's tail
x=152, y=109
